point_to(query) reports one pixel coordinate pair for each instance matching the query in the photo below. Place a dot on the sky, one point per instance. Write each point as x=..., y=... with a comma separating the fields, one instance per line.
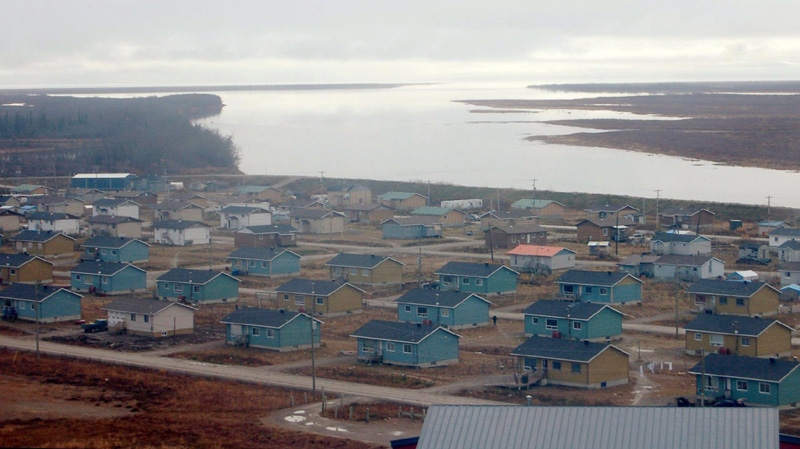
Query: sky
x=199, y=42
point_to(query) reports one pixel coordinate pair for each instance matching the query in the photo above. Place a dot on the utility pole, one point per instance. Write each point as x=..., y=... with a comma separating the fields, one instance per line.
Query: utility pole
x=769, y=200
x=533, y=200
x=313, y=355
x=38, y=315
x=658, y=193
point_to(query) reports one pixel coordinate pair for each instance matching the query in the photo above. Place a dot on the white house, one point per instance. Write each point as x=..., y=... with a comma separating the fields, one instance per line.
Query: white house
x=238, y=217
x=181, y=232
x=779, y=236
x=664, y=243
x=116, y=207
x=538, y=258
x=688, y=268
x=55, y=222
x=150, y=317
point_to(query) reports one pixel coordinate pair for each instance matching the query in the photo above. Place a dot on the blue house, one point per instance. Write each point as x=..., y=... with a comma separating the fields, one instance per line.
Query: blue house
x=607, y=287
x=115, y=249
x=771, y=382
x=198, y=286
x=406, y=344
x=572, y=320
x=481, y=278
x=264, y=262
x=451, y=309
x=108, y=278
x=278, y=330
x=412, y=228
x=55, y=303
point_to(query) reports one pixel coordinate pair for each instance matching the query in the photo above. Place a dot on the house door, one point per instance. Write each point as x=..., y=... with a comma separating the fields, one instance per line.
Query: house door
x=236, y=329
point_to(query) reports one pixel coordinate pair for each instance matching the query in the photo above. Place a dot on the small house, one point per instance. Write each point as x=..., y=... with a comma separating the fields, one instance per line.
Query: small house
x=603, y=230
x=449, y=218
x=767, y=226
x=114, y=206
x=24, y=268
x=139, y=197
x=404, y=201
x=739, y=335
x=541, y=259
x=264, y=262
x=573, y=320
x=572, y=363
x=150, y=317
x=511, y=236
x=263, y=193
x=541, y=208
x=115, y=226
x=606, y=287
x=790, y=273
x=451, y=309
x=318, y=221
x=237, y=217
x=346, y=196
x=611, y=211
x=54, y=222
x=789, y=251
x=267, y=236
x=779, y=236
x=639, y=265
x=480, y=278
x=406, y=344
x=10, y=220
x=197, y=286
x=743, y=276
x=735, y=298
x=366, y=269
x=181, y=232
x=411, y=228
x=685, y=218
x=58, y=204
x=664, y=243
x=31, y=189
x=513, y=217
x=43, y=243
x=368, y=213
x=327, y=298
x=679, y=267
x=115, y=249
x=277, y=330
x=177, y=210
x=54, y=304
x=108, y=278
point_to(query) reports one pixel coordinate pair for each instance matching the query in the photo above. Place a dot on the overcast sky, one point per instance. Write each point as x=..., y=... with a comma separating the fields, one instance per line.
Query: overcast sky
x=164, y=42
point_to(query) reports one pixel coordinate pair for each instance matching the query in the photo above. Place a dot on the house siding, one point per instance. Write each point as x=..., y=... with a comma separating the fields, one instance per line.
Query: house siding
x=500, y=282
x=611, y=367
x=294, y=335
x=54, y=247
x=33, y=271
x=440, y=348
x=61, y=306
x=126, y=280
x=343, y=301
x=605, y=324
x=775, y=340
x=282, y=265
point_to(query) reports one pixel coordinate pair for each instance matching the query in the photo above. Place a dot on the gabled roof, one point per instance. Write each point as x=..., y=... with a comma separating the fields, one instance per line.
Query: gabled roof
x=428, y=297
x=538, y=250
x=30, y=235
x=790, y=244
x=398, y=195
x=742, y=367
x=785, y=232
x=51, y=216
x=23, y=188
x=359, y=260
x=113, y=202
x=681, y=259
x=682, y=211
x=474, y=269
x=146, y=306
x=601, y=278
x=637, y=259
x=179, y=224
x=421, y=220
x=102, y=241
x=730, y=324
x=513, y=214
x=577, y=310
x=312, y=286
x=103, y=268
x=188, y=276
x=101, y=175
x=252, y=253
x=282, y=229
x=313, y=214
x=518, y=229
x=32, y=292
x=366, y=207
x=730, y=288
x=607, y=222
x=668, y=237
x=434, y=210
x=533, y=204
x=18, y=260
x=398, y=332
x=175, y=205
x=243, y=210
x=789, y=266
x=271, y=318
x=560, y=349
x=112, y=219
x=609, y=207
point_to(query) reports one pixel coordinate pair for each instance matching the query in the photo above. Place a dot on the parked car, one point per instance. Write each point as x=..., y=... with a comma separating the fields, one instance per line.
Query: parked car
x=95, y=326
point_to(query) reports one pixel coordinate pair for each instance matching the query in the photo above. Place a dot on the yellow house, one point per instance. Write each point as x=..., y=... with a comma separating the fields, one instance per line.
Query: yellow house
x=739, y=335
x=735, y=297
x=326, y=298
x=43, y=243
x=367, y=269
x=24, y=268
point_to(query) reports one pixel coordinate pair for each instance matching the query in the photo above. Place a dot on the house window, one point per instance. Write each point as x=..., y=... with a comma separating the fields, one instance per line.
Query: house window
x=77, y=277
x=447, y=279
x=146, y=318
x=364, y=272
x=588, y=290
x=406, y=348
x=576, y=368
x=698, y=336
x=763, y=388
x=745, y=341
x=445, y=312
x=605, y=232
x=717, y=340
x=300, y=300
x=286, y=297
x=113, y=252
x=740, y=302
x=723, y=300
x=255, y=331
x=465, y=281
x=700, y=300
x=13, y=271
x=741, y=385
x=390, y=346
x=788, y=275
x=535, y=320
x=22, y=306
x=407, y=308
x=551, y=324
x=368, y=346
x=337, y=270
x=320, y=300
x=478, y=281
x=263, y=264
x=353, y=271
x=252, y=263
x=556, y=365
x=577, y=325
x=88, y=279
x=178, y=288
x=270, y=333
x=422, y=312
x=133, y=317
x=104, y=279
x=603, y=291
x=569, y=289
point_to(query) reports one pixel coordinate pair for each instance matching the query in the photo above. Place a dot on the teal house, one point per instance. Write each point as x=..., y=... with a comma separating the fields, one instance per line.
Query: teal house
x=480, y=278
x=264, y=262
x=115, y=249
x=451, y=309
x=757, y=381
x=54, y=303
x=197, y=286
x=406, y=344
x=412, y=228
x=108, y=278
x=278, y=330
x=607, y=287
x=572, y=320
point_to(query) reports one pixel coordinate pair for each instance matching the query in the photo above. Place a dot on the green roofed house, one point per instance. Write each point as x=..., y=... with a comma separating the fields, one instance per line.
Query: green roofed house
x=197, y=286
x=366, y=269
x=573, y=320
x=449, y=218
x=757, y=381
x=277, y=330
x=453, y=310
x=606, y=287
x=740, y=335
x=406, y=344
x=264, y=262
x=481, y=278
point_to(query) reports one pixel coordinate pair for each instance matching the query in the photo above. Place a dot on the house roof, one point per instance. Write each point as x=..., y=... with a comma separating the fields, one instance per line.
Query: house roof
x=262, y=317
x=434, y=210
x=366, y=207
x=730, y=324
x=538, y=250
x=743, y=367
x=789, y=266
x=668, y=237
x=102, y=268
x=398, y=195
x=359, y=260
x=243, y=210
x=178, y=224
x=601, y=278
x=175, y=205
x=609, y=207
x=101, y=175
x=785, y=232
x=513, y=214
x=252, y=253
x=731, y=288
x=577, y=310
x=18, y=260
x=51, y=216
x=428, y=297
x=481, y=270
x=524, y=427
x=32, y=292
x=313, y=214
x=561, y=349
x=528, y=203
x=22, y=188
x=681, y=211
x=397, y=331
x=113, y=202
x=147, y=306
x=313, y=286
x=607, y=222
x=518, y=229
x=790, y=244
x=681, y=259
x=189, y=276
x=283, y=229
x=30, y=235
x=637, y=259
x=102, y=241
x=112, y=219
x=421, y=220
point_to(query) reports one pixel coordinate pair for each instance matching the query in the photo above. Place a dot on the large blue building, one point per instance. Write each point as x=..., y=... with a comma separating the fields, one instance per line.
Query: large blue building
x=102, y=181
